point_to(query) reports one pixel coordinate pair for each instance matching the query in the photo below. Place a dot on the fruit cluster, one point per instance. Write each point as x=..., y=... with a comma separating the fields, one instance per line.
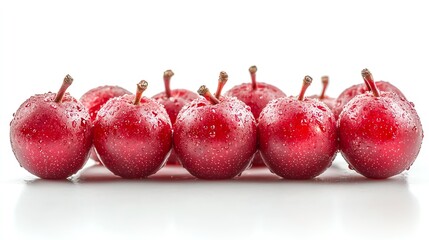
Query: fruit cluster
x=373, y=125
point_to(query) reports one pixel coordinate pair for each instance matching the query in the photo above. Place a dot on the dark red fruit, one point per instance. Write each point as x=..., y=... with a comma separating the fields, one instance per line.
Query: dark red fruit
x=354, y=90
x=380, y=132
x=51, y=134
x=256, y=95
x=297, y=136
x=132, y=135
x=330, y=102
x=95, y=98
x=173, y=101
x=215, y=139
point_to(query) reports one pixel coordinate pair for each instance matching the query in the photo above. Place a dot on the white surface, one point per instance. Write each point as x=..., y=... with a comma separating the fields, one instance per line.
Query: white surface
x=106, y=42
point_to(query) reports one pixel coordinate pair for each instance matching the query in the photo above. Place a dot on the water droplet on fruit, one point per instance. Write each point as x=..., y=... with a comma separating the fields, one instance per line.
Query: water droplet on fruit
x=351, y=168
x=13, y=115
x=321, y=108
x=54, y=106
x=28, y=104
x=212, y=127
x=74, y=124
x=205, y=127
x=201, y=118
x=154, y=113
x=82, y=122
x=412, y=104
x=378, y=119
x=304, y=121
x=213, y=110
x=40, y=141
x=415, y=128
x=212, y=134
x=408, y=168
x=236, y=118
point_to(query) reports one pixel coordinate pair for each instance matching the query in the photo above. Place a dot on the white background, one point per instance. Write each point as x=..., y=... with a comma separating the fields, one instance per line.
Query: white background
x=122, y=42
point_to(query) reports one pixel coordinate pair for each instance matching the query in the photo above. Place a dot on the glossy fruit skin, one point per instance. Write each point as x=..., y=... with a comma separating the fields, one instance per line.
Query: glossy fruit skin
x=354, y=90
x=380, y=136
x=215, y=141
x=95, y=98
x=51, y=140
x=330, y=102
x=256, y=99
x=173, y=105
x=297, y=139
x=132, y=141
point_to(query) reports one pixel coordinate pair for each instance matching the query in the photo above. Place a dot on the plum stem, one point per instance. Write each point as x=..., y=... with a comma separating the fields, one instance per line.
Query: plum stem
x=367, y=85
x=204, y=91
x=141, y=87
x=305, y=83
x=167, y=77
x=325, y=82
x=68, y=80
x=252, y=71
x=223, y=78
x=369, y=80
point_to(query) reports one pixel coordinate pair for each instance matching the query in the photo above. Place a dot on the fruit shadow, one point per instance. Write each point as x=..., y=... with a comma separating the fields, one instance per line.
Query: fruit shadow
x=256, y=200
x=336, y=174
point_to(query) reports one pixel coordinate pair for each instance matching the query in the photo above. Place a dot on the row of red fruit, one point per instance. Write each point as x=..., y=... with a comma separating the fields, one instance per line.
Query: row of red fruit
x=217, y=137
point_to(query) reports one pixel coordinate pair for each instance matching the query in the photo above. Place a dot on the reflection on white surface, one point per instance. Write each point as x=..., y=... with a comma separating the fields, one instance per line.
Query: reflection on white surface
x=257, y=205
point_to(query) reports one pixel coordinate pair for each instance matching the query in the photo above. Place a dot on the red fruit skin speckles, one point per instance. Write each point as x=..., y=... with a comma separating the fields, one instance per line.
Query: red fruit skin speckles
x=215, y=141
x=354, y=90
x=95, y=98
x=257, y=98
x=380, y=136
x=132, y=141
x=173, y=104
x=297, y=139
x=51, y=140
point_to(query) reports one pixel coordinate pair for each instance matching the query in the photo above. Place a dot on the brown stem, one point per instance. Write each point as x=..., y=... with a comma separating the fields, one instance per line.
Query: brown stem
x=369, y=80
x=252, y=71
x=204, y=91
x=368, y=88
x=223, y=78
x=68, y=80
x=305, y=83
x=325, y=82
x=167, y=76
x=141, y=87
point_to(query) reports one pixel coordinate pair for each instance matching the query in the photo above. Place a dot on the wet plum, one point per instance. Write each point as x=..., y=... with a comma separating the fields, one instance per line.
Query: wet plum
x=132, y=135
x=297, y=136
x=380, y=132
